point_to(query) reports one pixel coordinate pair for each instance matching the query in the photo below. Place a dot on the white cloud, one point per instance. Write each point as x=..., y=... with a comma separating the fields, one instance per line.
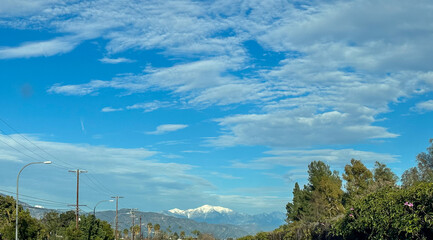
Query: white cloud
x=15, y=8
x=115, y=60
x=334, y=157
x=117, y=162
x=224, y=175
x=263, y=202
x=150, y=106
x=298, y=128
x=426, y=106
x=338, y=69
x=111, y=109
x=201, y=83
x=165, y=128
x=337, y=158
x=43, y=48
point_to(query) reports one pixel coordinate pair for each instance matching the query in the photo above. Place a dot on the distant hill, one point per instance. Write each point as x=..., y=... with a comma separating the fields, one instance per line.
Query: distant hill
x=221, y=222
x=221, y=231
x=220, y=215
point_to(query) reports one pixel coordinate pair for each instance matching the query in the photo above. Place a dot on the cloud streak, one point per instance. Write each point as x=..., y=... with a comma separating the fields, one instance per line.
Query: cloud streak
x=166, y=128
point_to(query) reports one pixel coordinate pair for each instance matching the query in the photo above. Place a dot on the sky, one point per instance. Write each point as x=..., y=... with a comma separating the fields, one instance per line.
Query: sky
x=178, y=104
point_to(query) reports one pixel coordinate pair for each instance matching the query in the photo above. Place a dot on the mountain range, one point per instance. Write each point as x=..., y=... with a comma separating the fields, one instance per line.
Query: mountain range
x=221, y=215
x=221, y=222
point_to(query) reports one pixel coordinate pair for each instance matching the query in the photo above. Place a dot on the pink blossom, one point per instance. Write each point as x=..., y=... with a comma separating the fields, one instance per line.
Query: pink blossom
x=351, y=209
x=351, y=215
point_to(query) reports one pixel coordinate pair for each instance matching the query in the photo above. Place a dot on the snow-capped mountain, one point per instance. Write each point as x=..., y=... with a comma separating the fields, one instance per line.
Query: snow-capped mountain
x=221, y=215
x=201, y=211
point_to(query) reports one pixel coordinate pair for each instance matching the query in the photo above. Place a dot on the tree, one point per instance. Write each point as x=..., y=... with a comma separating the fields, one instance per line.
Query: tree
x=424, y=170
x=358, y=179
x=51, y=223
x=182, y=235
x=125, y=233
x=196, y=232
x=29, y=227
x=390, y=213
x=410, y=177
x=135, y=230
x=299, y=207
x=149, y=230
x=92, y=228
x=326, y=193
x=157, y=228
x=383, y=176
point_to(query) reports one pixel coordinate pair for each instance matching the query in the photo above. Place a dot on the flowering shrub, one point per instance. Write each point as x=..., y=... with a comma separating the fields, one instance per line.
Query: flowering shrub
x=391, y=213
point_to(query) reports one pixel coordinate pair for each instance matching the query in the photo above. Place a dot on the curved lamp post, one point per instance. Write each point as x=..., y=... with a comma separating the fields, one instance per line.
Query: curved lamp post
x=94, y=209
x=16, y=208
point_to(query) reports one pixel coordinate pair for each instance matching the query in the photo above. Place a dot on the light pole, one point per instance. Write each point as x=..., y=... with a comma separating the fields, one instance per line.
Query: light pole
x=94, y=209
x=16, y=208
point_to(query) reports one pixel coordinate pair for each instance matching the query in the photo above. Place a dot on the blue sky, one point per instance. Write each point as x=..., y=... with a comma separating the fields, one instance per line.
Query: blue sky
x=177, y=104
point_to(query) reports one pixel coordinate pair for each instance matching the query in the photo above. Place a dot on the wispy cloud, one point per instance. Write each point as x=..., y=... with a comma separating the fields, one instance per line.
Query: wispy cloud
x=138, y=163
x=43, y=48
x=301, y=158
x=426, y=106
x=165, y=128
x=150, y=106
x=83, y=129
x=115, y=60
x=225, y=176
x=111, y=109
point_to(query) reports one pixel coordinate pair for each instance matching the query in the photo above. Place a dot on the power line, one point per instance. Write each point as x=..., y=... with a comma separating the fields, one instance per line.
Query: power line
x=98, y=184
x=11, y=192
x=49, y=154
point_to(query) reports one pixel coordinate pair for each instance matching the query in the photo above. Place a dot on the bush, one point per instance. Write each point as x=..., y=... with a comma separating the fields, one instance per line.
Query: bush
x=390, y=213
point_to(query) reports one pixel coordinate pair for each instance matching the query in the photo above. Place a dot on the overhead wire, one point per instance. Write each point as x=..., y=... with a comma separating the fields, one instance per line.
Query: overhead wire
x=32, y=197
x=98, y=184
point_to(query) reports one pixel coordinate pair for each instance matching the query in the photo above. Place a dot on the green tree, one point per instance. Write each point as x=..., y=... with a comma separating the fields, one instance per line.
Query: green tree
x=358, y=179
x=28, y=227
x=410, y=177
x=196, y=232
x=299, y=207
x=51, y=223
x=135, y=230
x=326, y=191
x=390, y=213
x=424, y=170
x=125, y=233
x=93, y=228
x=383, y=176
x=149, y=230
x=157, y=228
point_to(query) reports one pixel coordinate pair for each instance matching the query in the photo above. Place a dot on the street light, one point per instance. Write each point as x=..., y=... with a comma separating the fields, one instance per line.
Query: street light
x=94, y=209
x=16, y=208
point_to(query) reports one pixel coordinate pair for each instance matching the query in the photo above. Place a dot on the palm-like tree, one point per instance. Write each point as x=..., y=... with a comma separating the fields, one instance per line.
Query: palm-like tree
x=157, y=227
x=125, y=233
x=149, y=230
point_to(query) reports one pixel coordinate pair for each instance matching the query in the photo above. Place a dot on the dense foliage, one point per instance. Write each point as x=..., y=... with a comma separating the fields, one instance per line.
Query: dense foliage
x=371, y=207
x=52, y=226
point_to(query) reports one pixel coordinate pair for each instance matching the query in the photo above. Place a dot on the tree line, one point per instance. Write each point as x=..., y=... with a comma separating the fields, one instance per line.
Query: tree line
x=371, y=206
x=55, y=226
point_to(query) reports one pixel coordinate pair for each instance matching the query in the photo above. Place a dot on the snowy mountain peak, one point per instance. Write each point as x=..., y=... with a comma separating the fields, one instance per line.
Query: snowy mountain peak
x=209, y=208
x=201, y=210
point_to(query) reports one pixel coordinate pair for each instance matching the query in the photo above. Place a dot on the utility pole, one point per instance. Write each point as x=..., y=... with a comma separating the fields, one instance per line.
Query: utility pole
x=133, y=222
x=117, y=219
x=78, y=171
x=141, y=234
